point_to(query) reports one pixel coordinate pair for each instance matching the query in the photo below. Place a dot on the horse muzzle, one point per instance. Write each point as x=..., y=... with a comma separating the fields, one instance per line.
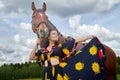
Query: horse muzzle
x=42, y=34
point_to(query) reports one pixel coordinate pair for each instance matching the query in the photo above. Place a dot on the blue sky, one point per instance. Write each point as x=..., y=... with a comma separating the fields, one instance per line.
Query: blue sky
x=76, y=18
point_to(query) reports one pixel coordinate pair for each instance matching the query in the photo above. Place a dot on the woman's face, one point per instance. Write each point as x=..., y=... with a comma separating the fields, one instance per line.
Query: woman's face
x=53, y=35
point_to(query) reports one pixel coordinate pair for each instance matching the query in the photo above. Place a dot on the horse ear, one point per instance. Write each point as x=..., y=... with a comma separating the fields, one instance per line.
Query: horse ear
x=44, y=7
x=33, y=6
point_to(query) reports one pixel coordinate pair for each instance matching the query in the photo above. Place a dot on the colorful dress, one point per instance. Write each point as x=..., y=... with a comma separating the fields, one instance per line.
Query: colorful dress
x=84, y=64
x=60, y=52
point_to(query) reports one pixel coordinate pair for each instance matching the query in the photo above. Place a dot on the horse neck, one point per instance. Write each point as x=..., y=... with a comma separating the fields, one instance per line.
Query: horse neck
x=51, y=26
x=61, y=38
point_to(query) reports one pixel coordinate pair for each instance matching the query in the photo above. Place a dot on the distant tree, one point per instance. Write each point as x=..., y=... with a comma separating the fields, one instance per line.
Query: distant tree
x=118, y=65
x=118, y=60
x=20, y=71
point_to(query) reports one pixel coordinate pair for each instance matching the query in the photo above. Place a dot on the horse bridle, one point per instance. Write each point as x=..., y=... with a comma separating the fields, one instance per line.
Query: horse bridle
x=45, y=33
x=40, y=22
x=45, y=22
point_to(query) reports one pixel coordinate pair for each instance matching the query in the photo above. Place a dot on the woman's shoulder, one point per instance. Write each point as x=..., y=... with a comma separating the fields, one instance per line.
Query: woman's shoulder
x=69, y=40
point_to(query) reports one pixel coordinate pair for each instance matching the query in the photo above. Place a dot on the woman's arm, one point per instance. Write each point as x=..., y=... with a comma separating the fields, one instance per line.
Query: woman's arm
x=33, y=52
x=83, y=38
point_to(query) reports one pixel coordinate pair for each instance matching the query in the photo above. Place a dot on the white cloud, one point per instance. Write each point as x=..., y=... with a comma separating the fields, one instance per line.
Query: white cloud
x=24, y=49
x=3, y=58
x=113, y=2
x=24, y=59
x=25, y=26
x=112, y=39
x=30, y=42
x=68, y=8
x=17, y=38
x=74, y=21
x=1, y=4
x=105, y=5
x=99, y=31
x=62, y=8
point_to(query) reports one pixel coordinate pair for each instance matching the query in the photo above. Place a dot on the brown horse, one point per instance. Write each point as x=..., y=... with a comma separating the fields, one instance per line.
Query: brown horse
x=41, y=25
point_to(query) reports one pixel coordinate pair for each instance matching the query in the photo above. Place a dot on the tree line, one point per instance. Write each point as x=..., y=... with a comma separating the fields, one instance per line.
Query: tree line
x=118, y=65
x=20, y=71
x=28, y=70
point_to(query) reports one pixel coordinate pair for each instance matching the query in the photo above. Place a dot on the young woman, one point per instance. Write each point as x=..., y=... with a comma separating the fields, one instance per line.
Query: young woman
x=53, y=53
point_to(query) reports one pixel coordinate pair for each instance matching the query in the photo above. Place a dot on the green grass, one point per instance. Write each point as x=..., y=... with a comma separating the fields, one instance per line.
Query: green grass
x=32, y=79
x=118, y=78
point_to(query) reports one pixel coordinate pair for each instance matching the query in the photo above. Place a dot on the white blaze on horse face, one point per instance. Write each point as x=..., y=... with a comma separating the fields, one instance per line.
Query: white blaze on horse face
x=40, y=14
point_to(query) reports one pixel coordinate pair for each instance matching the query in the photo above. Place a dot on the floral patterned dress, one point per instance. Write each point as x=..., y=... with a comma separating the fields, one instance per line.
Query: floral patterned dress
x=60, y=52
x=85, y=64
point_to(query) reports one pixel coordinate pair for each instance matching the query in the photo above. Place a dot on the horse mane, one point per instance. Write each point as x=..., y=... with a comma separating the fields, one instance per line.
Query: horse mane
x=62, y=39
x=39, y=10
x=51, y=26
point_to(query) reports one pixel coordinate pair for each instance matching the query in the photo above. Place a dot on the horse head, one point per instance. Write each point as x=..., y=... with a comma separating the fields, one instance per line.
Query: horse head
x=40, y=21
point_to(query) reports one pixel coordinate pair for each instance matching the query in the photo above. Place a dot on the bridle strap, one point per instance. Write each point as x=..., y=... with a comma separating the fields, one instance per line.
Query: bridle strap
x=45, y=22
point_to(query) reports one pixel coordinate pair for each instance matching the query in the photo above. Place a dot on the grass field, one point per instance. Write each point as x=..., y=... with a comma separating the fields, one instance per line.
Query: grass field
x=32, y=79
x=118, y=78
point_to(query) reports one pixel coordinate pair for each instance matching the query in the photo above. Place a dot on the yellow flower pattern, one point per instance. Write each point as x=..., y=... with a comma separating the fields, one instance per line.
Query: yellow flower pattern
x=66, y=51
x=95, y=67
x=79, y=66
x=59, y=45
x=59, y=77
x=62, y=64
x=78, y=52
x=65, y=77
x=77, y=63
x=57, y=57
x=93, y=50
x=53, y=70
x=42, y=57
x=48, y=57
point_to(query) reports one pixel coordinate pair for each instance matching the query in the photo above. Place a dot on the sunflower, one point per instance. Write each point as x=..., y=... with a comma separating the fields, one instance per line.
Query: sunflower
x=96, y=67
x=65, y=77
x=79, y=66
x=93, y=50
x=59, y=77
x=66, y=51
x=62, y=64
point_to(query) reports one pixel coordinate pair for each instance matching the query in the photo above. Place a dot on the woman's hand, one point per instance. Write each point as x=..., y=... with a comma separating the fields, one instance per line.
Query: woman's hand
x=33, y=52
x=91, y=36
x=83, y=39
x=38, y=42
